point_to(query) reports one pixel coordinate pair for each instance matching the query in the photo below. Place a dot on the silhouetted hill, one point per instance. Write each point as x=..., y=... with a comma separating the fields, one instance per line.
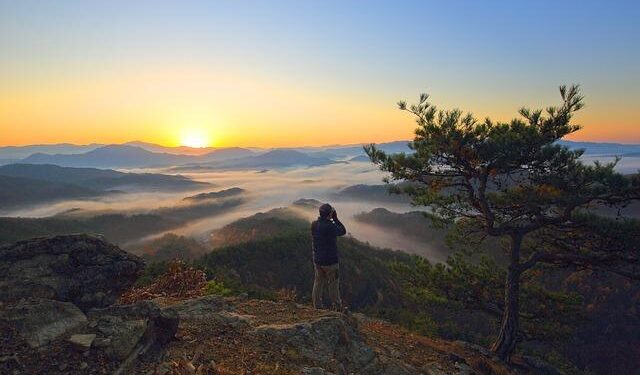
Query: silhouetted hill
x=376, y=193
x=111, y=156
x=99, y=179
x=360, y=158
x=19, y=191
x=116, y=227
x=170, y=246
x=227, y=153
x=260, y=226
x=20, y=152
x=349, y=151
x=602, y=148
x=414, y=224
x=216, y=194
x=274, y=159
x=284, y=262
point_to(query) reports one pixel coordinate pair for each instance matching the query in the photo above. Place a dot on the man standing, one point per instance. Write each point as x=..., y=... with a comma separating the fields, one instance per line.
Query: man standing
x=325, y=231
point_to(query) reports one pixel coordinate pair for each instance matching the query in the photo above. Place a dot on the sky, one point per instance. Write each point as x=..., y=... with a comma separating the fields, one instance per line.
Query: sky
x=293, y=73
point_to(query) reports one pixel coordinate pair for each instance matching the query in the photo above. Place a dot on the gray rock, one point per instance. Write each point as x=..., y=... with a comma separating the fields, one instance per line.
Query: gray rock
x=40, y=321
x=201, y=307
x=82, y=341
x=82, y=269
x=122, y=335
x=129, y=331
x=330, y=340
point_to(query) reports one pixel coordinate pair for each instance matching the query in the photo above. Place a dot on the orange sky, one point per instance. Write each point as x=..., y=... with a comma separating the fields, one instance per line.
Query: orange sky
x=293, y=74
x=234, y=109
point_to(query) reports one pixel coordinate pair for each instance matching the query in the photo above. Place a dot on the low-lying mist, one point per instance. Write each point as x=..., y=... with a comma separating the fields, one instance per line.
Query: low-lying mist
x=265, y=190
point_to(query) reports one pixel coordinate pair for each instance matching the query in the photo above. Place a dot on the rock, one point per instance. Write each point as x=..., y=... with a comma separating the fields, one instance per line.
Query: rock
x=82, y=269
x=329, y=340
x=201, y=307
x=39, y=321
x=142, y=328
x=122, y=335
x=82, y=342
x=102, y=342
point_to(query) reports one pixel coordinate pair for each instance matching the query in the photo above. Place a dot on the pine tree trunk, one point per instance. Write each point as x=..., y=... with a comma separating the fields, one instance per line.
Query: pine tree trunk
x=506, y=341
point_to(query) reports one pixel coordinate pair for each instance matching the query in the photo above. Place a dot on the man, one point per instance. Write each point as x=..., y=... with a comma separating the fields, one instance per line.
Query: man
x=325, y=231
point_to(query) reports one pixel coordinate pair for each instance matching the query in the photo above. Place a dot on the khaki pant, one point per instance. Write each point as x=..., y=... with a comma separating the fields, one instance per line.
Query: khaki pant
x=326, y=279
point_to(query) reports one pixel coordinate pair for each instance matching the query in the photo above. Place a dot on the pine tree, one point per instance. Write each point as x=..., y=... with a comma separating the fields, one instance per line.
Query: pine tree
x=514, y=180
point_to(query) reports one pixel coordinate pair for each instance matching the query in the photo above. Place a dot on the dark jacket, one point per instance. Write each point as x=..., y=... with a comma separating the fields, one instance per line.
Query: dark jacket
x=324, y=234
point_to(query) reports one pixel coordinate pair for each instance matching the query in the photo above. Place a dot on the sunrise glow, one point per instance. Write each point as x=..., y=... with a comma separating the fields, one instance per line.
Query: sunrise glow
x=166, y=67
x=195, y=138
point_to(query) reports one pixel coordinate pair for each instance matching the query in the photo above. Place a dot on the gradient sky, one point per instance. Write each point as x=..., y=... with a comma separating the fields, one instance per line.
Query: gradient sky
x=284, y=73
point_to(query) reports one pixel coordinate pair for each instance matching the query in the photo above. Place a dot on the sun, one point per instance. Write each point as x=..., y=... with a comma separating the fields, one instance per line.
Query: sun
x=195, y=138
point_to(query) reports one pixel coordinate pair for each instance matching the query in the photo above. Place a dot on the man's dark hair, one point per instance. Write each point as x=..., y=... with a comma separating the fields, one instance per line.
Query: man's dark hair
x=325, y=210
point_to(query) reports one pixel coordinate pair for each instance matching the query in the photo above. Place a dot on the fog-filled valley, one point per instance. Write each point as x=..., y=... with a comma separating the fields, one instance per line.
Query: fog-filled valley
x=242, y=216
x=133, y=206
x=197, y=192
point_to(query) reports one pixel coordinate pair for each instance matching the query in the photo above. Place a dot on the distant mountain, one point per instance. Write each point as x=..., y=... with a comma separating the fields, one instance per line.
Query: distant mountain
x=99, y=179
x=602, y=148
x=350, y=151
x=56, y=173
x=360, y=158
x=278, y=158
x=227, y=153
x=18, y=191
x=178, y=150
x=216, y=194
x=413, y=224
x=376, y=193
x=20, y=152
x=8, y=161
x=112, y=156
x=116, y=227
x=129, y=156
x=142, y=154
x=260, y=226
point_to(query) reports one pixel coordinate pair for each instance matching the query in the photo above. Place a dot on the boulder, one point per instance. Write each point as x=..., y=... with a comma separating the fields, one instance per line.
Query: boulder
x=330, y=340
x=128, y=331
x=39, y=321
x=82, y=269
x=212, y=308
x=82, y=342
x=201, y=307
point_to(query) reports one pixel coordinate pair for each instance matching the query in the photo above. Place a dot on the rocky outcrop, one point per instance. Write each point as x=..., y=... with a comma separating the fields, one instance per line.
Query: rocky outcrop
x=82, y=269
x=332, y=341
x=40, y=321
x=141, y=328
x=58, y=292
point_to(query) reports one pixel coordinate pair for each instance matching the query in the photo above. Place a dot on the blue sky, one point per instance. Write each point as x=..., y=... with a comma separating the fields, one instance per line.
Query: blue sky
x=489, y=57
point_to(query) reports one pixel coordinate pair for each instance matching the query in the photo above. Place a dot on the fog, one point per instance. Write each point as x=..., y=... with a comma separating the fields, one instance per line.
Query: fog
x=265, y=190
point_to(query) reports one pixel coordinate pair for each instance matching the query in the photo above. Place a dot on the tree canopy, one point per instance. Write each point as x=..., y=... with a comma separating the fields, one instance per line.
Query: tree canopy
x=513, y=179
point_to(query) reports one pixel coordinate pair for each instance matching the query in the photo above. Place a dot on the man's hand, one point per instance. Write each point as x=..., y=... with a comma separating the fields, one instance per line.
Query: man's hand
x=334, y=215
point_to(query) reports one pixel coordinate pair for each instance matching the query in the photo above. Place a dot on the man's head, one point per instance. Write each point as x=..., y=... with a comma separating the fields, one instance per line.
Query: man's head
x=325, y=210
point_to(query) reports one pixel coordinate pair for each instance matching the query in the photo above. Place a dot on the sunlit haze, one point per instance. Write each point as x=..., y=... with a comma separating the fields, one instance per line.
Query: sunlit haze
x=285, y=73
